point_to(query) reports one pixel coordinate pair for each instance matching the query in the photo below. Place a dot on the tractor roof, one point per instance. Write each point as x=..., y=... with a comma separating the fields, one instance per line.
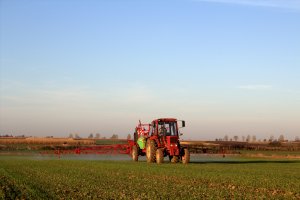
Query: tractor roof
x=166, y=120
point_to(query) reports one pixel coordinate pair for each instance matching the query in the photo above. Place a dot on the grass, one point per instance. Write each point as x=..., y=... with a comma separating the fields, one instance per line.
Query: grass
x=25, y=178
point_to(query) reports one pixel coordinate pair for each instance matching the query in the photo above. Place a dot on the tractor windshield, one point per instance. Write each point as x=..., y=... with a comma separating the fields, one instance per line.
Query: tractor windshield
x=168, y=128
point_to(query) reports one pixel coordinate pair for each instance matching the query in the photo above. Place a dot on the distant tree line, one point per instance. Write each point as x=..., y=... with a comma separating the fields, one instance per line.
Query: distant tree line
x=7, y=135
x=97, y=136
x=253, y=138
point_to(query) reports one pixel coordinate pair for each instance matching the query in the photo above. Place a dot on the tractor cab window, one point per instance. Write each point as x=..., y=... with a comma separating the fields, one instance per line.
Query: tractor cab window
x=152, y=129
x=167, y=128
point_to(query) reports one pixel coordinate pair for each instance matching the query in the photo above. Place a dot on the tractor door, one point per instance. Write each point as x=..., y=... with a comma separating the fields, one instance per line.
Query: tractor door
x=153, y=129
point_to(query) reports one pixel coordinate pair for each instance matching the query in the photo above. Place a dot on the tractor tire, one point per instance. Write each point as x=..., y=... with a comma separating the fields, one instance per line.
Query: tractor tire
x=151, y=151
x=135, y=153
x=174, y=159
x=186, y=156
x=159, y=156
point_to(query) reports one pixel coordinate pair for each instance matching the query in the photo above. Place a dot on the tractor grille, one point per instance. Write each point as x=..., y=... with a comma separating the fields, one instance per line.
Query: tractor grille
x=173, y=140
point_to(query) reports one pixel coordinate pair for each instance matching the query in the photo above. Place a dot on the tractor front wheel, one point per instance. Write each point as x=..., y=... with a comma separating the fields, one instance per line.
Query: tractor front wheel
x=174, y=159
x=134, y=153
x=186, y=156
x=159, y=156
x=151, y=151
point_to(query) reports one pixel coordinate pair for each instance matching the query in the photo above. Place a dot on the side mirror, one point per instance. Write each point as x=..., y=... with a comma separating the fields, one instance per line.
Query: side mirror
x=183, y=123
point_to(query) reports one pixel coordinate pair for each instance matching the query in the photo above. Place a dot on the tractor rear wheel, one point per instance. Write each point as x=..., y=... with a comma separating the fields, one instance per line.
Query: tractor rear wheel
x=151, y=151
x=186, y=156
x=134, y=153
x=159, y=156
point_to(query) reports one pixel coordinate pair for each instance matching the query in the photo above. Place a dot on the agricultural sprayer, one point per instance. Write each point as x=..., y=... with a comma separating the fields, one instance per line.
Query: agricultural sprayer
x=158, y=140
x=155, y=141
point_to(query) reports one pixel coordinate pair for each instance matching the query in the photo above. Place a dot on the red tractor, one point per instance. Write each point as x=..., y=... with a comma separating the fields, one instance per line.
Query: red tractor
x=158, y=140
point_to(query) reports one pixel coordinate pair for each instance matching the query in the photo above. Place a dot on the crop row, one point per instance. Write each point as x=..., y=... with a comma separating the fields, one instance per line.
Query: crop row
x=70, y=179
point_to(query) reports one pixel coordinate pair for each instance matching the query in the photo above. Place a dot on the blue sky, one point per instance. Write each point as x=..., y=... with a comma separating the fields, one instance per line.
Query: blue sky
x=225, y=66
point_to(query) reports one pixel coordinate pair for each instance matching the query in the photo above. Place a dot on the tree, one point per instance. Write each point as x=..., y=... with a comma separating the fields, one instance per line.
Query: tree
x=248, y=138
x=271, y=139
x=281, y=138
x=71, y=135
x=226, y=138
x=97, y=135
x=128, y=137
x=235, y=138
x=77, y=136
x=91, y=136
x=114, y=136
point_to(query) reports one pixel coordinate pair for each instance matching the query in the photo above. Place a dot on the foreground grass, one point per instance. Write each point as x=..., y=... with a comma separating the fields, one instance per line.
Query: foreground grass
x=81, y=179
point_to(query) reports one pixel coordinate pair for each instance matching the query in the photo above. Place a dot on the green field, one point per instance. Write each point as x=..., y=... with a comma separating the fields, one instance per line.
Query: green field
x=29, y=178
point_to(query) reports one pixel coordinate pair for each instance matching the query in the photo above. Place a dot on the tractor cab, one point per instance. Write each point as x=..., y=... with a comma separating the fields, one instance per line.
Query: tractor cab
x=165, y=127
